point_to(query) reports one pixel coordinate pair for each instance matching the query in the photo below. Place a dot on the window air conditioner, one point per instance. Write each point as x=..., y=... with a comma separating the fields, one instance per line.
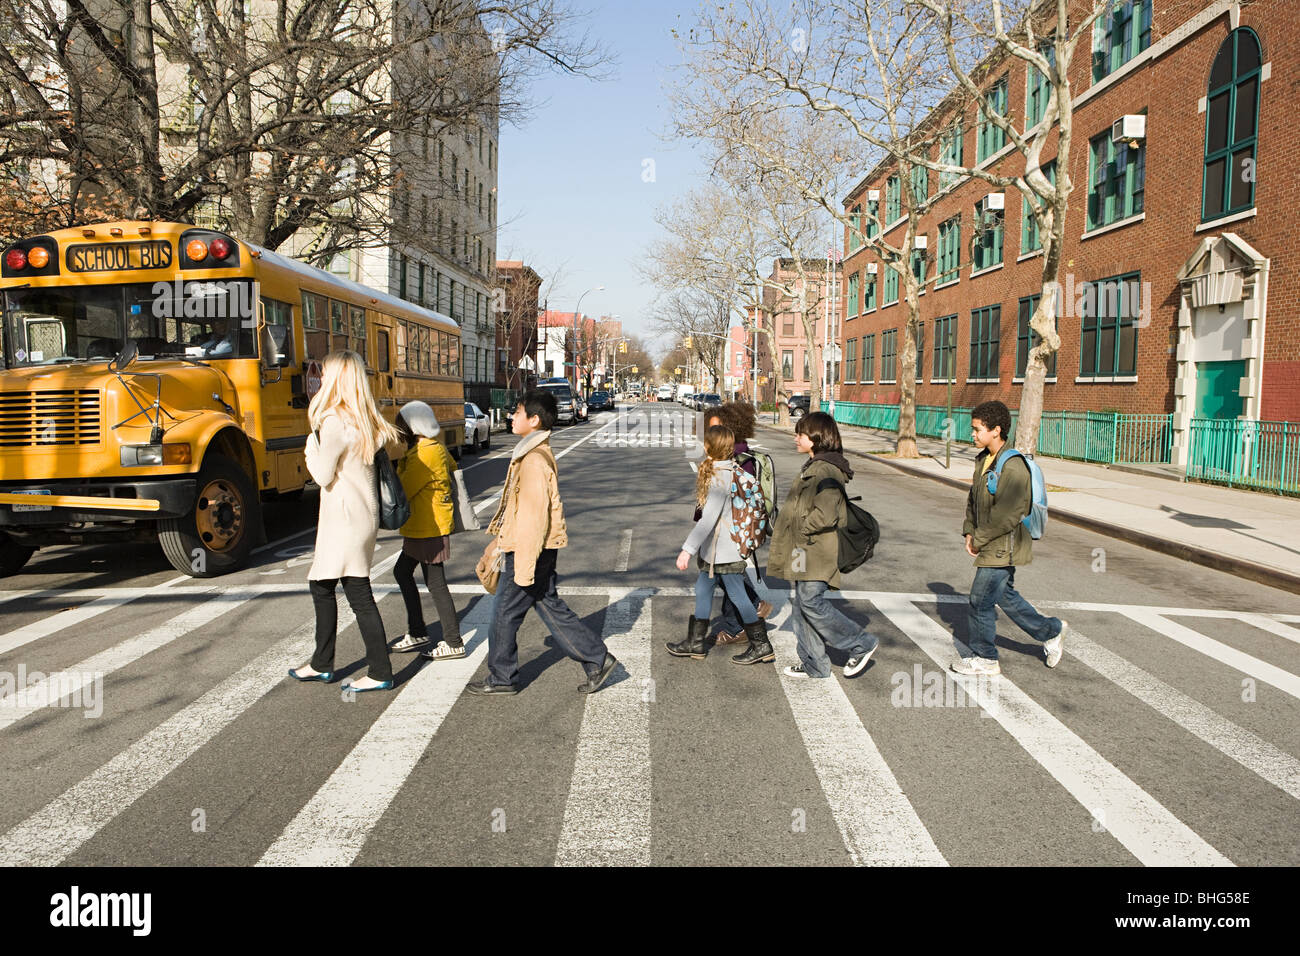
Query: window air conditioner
x=921, y=242
x=873, y=195
x=1130, y=128
x=871, y=268
x=995, y=201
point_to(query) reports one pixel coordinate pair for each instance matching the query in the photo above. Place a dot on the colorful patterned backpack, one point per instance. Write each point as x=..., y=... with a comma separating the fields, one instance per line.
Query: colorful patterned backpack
x=749, y=523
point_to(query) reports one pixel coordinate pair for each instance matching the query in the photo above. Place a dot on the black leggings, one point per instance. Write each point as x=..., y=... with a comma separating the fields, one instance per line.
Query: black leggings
x=435, y=580
x=362, y=601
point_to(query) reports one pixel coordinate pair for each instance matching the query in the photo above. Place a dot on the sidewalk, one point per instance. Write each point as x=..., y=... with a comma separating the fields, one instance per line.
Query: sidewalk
x=1249, y=534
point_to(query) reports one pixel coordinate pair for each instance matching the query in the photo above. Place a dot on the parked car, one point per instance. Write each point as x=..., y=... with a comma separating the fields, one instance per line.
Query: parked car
x=478, y=428
x=582, y=409
x=600, y=402
x=710, y=400
x=798, y=405
x=565, y=401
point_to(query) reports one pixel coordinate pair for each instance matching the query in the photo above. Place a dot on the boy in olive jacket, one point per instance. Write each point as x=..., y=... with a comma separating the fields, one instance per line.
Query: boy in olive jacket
x=998, y=540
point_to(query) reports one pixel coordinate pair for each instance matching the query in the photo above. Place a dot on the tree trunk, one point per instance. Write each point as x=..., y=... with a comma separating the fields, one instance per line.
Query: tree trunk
x=906, y=444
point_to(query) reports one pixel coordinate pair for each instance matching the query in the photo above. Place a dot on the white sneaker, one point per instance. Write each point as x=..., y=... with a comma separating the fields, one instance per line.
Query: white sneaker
x=853, y=667
x=975, y=666
x=1053, y=648
x=795, y=670
x=444, y=652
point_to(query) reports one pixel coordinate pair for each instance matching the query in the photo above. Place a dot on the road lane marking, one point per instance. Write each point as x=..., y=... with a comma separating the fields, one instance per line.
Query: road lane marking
x=14, y=707
x=333, y=826
x=607, y=814
x=877, y=822
x=1131, y=815
x=1273, y=627
x=64, y=825
x=1216, y=650
x=63, y=619
x=1251, y=751
x=624, y=551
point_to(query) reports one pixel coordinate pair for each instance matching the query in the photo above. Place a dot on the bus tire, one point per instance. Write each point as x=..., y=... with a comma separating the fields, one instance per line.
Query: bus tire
x=218, y=533
x=12, y=555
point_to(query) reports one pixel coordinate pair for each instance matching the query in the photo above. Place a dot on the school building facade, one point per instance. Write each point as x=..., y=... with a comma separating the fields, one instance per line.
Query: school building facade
x=1178, y=274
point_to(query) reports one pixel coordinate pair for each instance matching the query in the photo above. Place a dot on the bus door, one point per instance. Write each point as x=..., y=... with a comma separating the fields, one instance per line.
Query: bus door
x=381, y=381
x=284, y=425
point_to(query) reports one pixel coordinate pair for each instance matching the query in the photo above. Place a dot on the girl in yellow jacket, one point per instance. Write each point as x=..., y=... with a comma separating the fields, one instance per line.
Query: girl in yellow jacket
x=425, y=471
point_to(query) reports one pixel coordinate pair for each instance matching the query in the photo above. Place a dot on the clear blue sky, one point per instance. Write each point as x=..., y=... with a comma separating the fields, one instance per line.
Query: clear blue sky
x=571, y=190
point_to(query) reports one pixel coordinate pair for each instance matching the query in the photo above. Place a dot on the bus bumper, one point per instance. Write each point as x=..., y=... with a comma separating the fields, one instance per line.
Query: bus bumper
x=64, y=502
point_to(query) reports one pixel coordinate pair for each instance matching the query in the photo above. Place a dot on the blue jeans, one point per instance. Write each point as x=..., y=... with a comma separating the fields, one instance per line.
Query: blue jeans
x=818, y=623
x=730, y=621
x=512, y=603
x=994, y=588
x=733, y=585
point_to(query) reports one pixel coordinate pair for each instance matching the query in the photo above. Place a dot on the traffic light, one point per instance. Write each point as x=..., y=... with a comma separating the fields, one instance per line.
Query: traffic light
x=686, y=342
x=622, y=347
x=634, y=369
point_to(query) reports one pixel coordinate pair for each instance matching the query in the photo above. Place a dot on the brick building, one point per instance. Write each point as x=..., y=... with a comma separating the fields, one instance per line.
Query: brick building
x=517, y=303
x=790, y=347
x=1179, y=287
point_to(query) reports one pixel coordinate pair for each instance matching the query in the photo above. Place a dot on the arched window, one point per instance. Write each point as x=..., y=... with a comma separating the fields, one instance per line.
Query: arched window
x=1231, y=125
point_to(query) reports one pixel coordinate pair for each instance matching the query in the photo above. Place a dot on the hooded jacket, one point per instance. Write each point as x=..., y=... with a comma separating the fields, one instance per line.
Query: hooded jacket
x=804, y=544
x=530, y=517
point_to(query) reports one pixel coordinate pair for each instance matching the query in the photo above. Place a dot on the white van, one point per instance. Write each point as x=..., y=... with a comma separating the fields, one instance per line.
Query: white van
x=665, y=393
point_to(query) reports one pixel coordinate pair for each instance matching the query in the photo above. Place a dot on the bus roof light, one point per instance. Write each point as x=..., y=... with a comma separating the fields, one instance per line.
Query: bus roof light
x=196, y=250
x=115, y=232
x=16, y=259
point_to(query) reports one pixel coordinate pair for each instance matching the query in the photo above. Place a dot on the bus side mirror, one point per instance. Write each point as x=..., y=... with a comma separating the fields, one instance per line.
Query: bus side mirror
x=276, y=352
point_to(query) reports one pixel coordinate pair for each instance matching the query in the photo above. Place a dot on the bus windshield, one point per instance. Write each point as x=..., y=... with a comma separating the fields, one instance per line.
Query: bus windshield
x=62, y=324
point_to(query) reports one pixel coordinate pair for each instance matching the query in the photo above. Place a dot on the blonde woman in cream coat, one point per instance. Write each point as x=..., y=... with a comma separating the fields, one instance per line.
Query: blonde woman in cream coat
x=347, y=429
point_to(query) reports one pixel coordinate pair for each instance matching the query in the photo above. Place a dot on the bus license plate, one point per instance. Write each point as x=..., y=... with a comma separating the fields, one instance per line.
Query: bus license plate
x=32, y=507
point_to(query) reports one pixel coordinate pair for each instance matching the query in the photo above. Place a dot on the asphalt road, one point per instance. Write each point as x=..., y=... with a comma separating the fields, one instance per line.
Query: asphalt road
x=1168, y=734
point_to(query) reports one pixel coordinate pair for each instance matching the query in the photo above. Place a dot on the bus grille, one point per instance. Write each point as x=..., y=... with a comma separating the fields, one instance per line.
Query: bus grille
x=63, y=416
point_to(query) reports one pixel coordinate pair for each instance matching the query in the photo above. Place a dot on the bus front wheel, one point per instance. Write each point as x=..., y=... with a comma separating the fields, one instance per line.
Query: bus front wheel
x=12, y=555
x=218, y=533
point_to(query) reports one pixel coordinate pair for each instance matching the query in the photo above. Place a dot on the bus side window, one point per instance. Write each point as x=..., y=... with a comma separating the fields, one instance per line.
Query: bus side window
x=314, y=317
x=382, y=345
x=359, y=343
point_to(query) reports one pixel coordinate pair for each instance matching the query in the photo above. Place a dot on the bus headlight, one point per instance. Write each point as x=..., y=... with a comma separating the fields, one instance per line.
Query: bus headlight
x=140, y=456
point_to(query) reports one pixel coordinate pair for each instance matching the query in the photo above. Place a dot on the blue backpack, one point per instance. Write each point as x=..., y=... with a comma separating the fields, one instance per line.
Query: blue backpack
x=1036, y=521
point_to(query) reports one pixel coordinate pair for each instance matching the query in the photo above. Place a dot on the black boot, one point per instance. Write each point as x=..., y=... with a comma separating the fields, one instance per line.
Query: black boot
x=759, y=650
x=696, y=644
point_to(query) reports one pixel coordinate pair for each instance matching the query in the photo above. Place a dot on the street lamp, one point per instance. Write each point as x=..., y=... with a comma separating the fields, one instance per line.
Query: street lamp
x=576, y=310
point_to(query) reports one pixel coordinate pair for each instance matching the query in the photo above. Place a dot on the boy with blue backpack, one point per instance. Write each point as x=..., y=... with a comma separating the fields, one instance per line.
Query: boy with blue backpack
x=1005, y=511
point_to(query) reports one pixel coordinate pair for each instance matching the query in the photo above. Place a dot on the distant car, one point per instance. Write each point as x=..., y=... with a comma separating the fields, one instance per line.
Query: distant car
x=600, y=401
x=478, y=428
x=665, y=393
x=798, y=405
x=710, y=400
x=566, y=403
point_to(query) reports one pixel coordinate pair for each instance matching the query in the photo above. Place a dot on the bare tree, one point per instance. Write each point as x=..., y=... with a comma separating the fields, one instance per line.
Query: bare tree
x=295, y=117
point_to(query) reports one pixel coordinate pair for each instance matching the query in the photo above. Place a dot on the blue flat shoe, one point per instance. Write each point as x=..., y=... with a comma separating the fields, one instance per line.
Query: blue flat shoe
x=324, y=677
x=382, y=685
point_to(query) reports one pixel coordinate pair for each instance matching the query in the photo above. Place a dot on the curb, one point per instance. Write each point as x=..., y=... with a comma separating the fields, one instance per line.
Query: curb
x=1261, y=574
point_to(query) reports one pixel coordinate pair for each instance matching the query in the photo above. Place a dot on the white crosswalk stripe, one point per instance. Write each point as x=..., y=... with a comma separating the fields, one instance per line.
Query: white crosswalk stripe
x=607, y=816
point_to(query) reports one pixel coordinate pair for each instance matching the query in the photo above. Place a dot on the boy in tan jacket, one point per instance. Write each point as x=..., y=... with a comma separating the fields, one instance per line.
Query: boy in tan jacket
x=529, y=529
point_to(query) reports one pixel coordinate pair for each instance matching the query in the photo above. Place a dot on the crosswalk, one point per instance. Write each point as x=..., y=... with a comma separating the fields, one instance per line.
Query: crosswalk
x=861, y=756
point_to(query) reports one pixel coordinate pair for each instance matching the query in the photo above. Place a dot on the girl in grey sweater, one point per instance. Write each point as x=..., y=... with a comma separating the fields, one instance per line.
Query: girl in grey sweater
x=718, y=556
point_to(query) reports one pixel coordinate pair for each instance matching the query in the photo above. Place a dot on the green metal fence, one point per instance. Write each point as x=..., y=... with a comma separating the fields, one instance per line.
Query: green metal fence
x=1245, y=454
x=1103, y=437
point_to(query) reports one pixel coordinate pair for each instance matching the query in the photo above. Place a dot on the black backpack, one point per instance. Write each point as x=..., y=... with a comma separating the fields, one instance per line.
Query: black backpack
x=394, y=509
x=859, y=533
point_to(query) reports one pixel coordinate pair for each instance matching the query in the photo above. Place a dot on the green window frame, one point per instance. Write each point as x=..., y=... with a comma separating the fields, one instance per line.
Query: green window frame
x=1116, y=181
x=920, y=176
x=949, y=251
x=868, y=359
x=950, y=155
x=1038, y=88
x=852, y=309
x=1118, y=35
x=985, y=342
x=1030, y=240
x=986, y=244
x=920, y=351
x=855, y=224
x=991, y=137
x=873, y=217
x=1232, y=126
x=893, y=200
x=888, y=356
x=869, y=291
x=1027, y=338
x=851, y=361
x=891, y=285
x=1108, y=327
x=945, y=348
x=917, y=261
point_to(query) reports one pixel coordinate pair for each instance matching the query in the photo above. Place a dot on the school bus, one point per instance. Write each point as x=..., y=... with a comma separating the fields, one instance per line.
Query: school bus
x=155, y=382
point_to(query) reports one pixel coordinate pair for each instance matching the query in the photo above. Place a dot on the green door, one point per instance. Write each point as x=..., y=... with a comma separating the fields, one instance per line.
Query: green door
x=1217, y=385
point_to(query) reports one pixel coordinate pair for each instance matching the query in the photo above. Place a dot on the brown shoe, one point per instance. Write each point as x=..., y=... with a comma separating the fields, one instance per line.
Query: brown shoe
x=725, y=638
x=764, y=609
